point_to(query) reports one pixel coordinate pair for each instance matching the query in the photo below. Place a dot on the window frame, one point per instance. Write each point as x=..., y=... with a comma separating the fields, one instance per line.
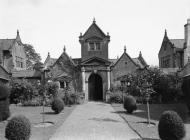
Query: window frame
x=96, y=46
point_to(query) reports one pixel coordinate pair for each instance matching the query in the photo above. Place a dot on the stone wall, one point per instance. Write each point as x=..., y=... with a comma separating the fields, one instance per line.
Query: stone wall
x=124, y=66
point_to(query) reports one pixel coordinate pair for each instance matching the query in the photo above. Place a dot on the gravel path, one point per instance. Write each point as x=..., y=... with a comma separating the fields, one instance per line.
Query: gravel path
x=94, y=121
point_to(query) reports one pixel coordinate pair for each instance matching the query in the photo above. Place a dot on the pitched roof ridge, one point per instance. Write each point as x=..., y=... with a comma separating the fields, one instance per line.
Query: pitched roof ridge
x=94, y=24
x=67, y=57
x=125, y=53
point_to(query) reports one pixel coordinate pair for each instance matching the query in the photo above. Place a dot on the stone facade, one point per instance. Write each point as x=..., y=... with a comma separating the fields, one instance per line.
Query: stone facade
x=94, y=72
x=12, y=55
x=174, y=53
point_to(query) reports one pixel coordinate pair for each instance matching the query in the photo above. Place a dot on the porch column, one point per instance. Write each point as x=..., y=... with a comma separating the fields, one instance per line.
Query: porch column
x=83, y=79
x=108, y=78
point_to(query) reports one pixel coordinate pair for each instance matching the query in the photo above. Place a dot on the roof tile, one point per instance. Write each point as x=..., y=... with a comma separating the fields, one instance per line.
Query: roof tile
x=178, y=43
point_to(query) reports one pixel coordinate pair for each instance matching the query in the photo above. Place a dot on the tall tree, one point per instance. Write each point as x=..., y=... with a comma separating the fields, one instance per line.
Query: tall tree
x=32, y=56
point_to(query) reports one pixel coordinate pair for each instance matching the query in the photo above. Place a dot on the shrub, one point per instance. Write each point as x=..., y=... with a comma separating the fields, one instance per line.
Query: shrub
x=171, y=126
x=21, y=90
x=4, y=102
x=57, y=105
x=130, y=103
x=18, y=128
x=52, y=89
x=116, y=97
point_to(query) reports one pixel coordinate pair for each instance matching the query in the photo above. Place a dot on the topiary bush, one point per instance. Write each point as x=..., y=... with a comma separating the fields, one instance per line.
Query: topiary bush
x=57, y=105
x=130, y=103
x=171, y=126
x=18, y=128
x=4, y=102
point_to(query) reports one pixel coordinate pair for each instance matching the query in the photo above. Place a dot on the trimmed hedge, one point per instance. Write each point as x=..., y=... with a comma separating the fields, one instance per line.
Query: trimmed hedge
x=130, y=103
x=57, y=105
x=18, y=128
x=171, y=126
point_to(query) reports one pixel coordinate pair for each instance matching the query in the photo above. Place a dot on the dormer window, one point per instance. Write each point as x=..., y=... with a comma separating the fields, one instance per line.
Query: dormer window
x=94, y=46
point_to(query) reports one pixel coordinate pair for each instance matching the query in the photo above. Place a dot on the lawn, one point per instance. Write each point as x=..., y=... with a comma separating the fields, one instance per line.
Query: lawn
x=34, y=114
x=136, y=119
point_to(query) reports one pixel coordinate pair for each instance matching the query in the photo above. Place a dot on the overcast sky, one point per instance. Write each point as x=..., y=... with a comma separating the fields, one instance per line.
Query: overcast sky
x=50, y=24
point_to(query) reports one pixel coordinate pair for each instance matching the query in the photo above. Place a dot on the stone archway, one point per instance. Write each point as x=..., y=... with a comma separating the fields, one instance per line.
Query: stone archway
x=95, y=88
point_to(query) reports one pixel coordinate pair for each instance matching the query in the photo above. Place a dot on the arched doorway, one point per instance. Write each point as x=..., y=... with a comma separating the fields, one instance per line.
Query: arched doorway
x=95, y=88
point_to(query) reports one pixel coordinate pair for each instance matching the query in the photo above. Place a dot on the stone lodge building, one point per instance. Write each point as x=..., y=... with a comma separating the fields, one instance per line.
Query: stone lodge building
x=94, y=73
x=175, y=53
x=12, y=57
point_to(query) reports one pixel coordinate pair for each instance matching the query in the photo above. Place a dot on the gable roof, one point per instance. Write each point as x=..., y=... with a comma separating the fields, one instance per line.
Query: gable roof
x=142, y=60
x=127, y=56
x=138, y=62
x=178, y=43
x=69, y=58
x=6, y=44
x=92, y=31
x=88, y=61
x=49, y=61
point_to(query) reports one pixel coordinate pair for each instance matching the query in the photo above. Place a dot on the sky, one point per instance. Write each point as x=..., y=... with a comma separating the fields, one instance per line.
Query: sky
x=49, y=25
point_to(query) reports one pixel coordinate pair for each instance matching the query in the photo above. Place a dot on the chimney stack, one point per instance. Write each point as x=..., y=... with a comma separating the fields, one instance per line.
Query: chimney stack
x=187, y=42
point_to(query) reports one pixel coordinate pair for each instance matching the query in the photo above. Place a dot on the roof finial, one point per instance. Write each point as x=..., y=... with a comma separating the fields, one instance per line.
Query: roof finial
x=48, y=54
x=125, y=49
x=140, y=54
x=165, y=34
x=94, y=20
x=18, y=36
x=17, y=32
x=64, y=49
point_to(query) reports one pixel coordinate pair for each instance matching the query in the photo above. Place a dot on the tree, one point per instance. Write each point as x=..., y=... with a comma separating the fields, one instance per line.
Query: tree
x=166, y=86
x=31, y=55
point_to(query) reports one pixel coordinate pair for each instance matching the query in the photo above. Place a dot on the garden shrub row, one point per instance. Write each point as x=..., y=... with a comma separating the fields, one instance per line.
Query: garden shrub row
x=25, y=93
